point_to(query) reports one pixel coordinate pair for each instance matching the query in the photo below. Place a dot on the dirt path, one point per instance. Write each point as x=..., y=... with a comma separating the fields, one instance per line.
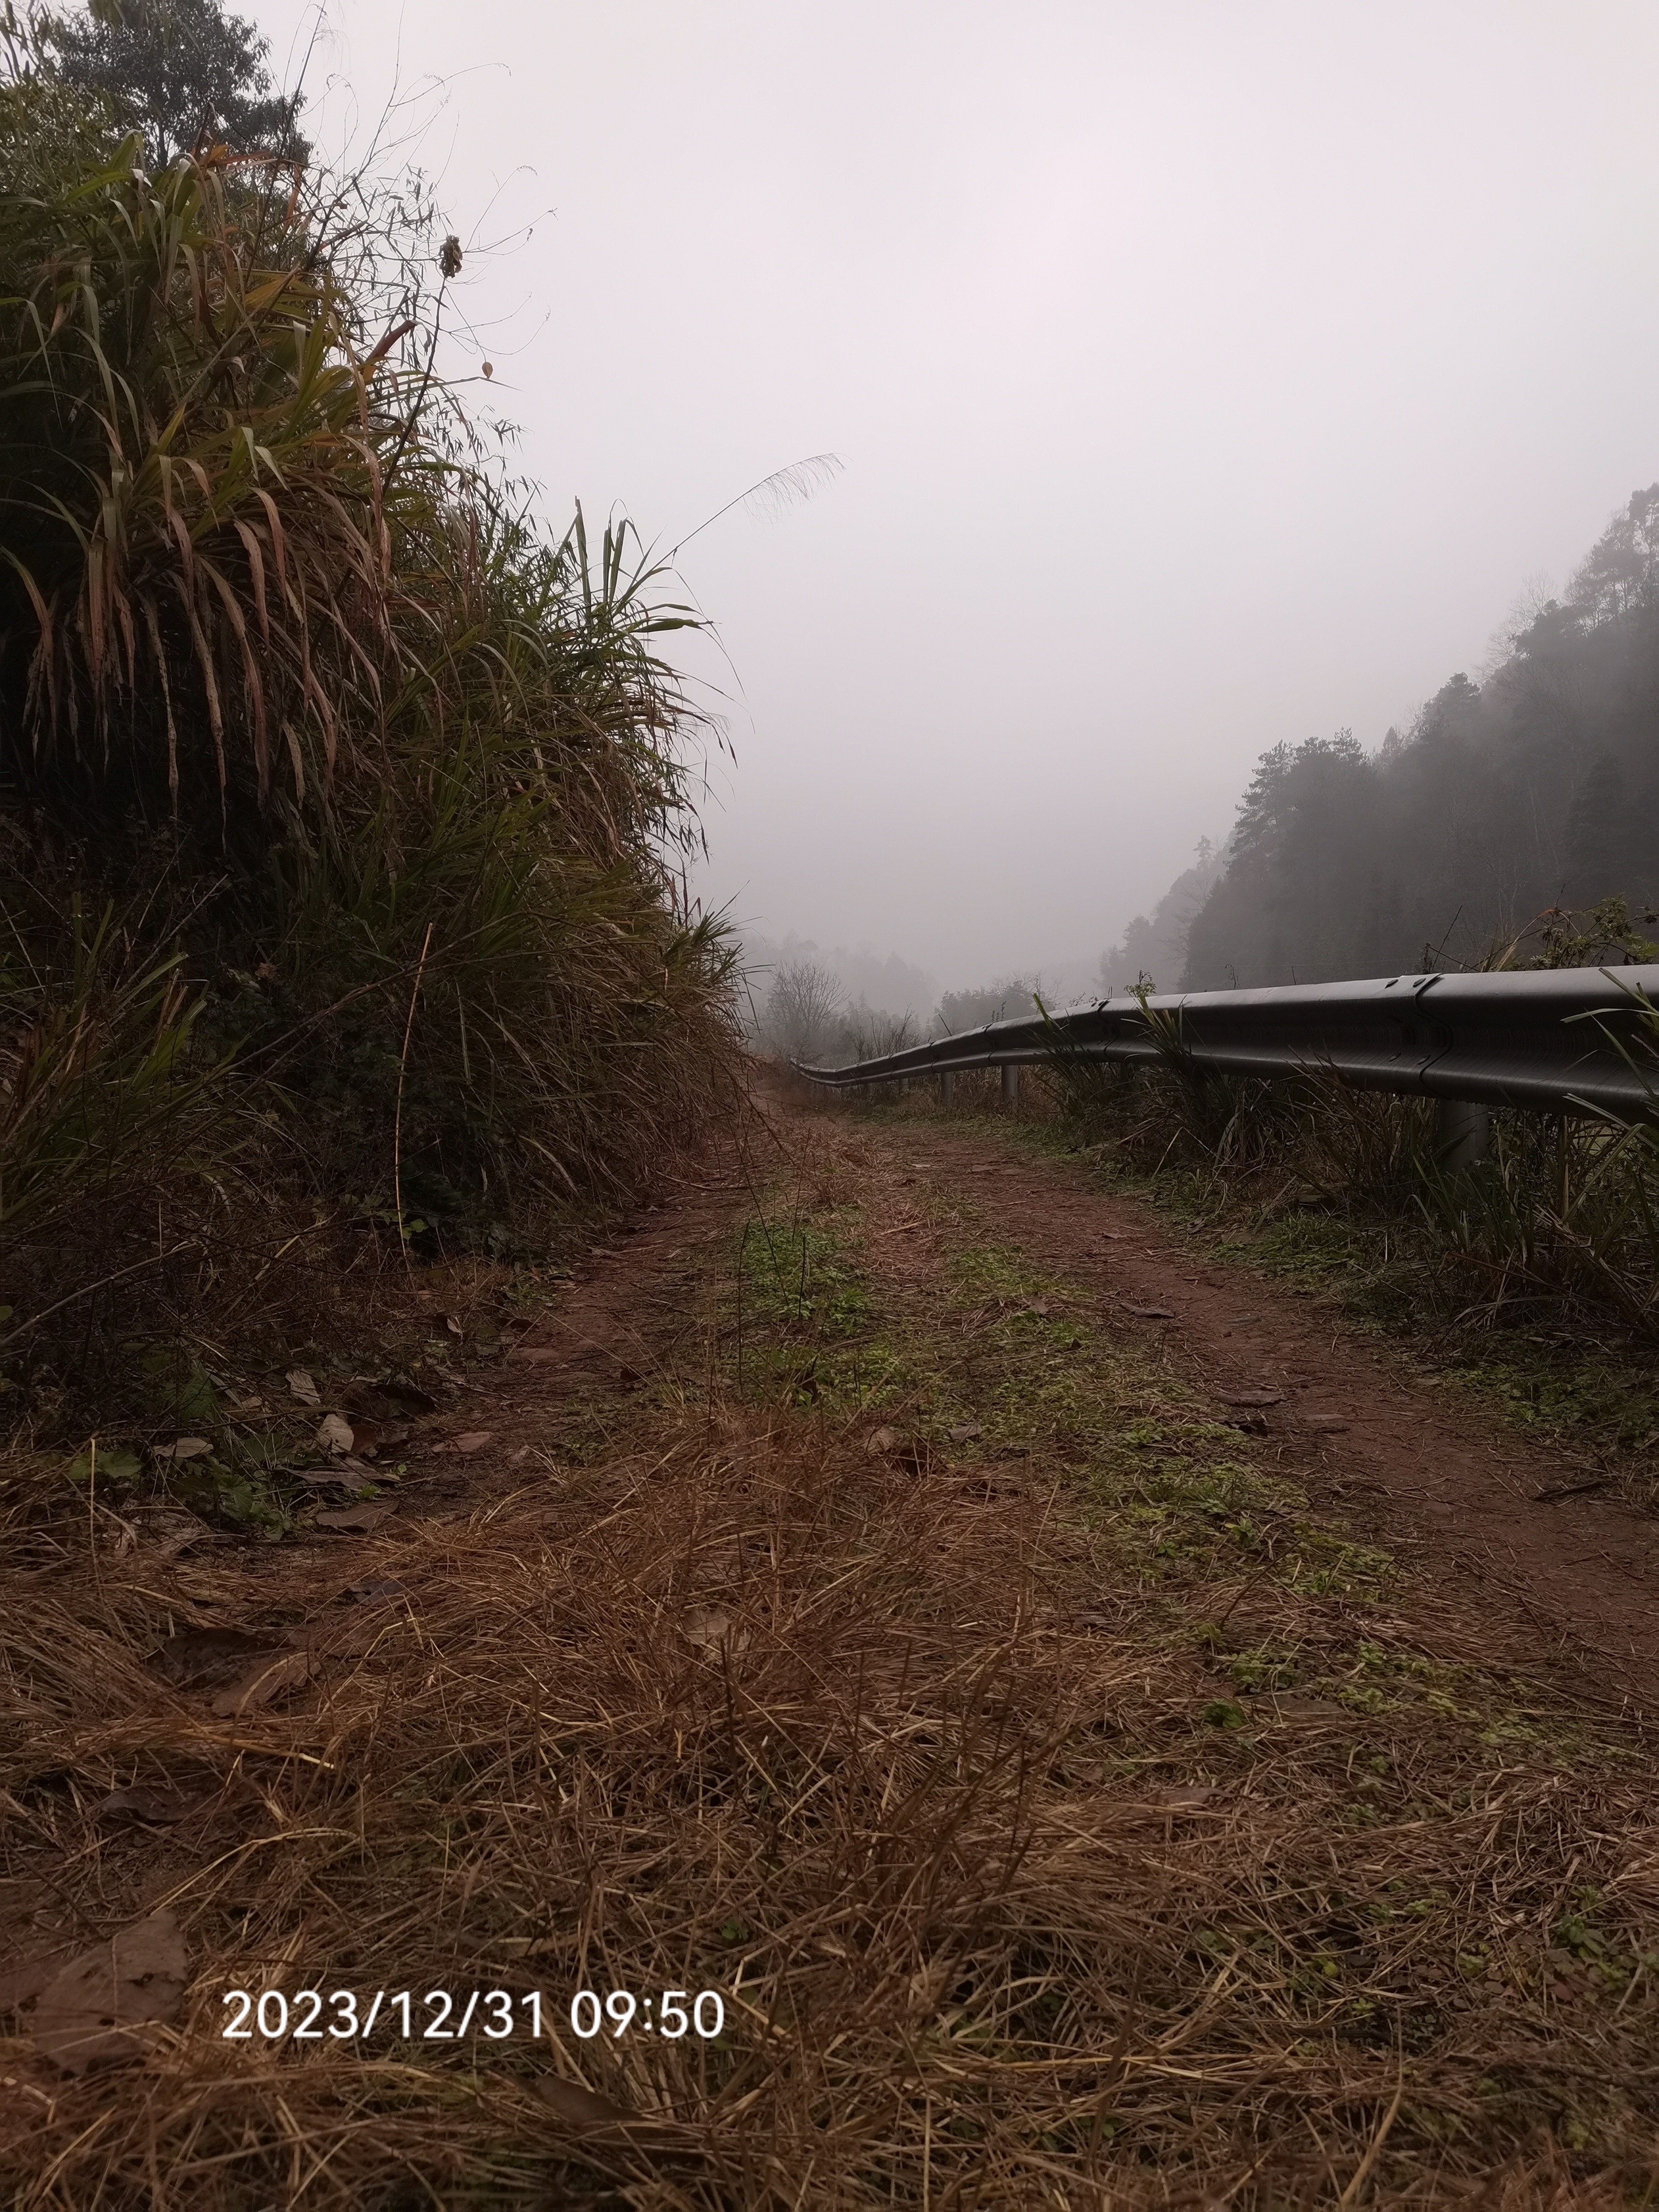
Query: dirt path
x=1577, y=1576
x=874, y=1624
x=1498, y=1523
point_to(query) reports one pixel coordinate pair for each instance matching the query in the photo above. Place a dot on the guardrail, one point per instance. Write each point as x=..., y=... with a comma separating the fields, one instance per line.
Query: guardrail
x=1547, y=1041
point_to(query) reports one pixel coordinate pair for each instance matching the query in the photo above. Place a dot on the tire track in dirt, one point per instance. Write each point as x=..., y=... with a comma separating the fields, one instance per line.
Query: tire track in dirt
x=1570, y=1585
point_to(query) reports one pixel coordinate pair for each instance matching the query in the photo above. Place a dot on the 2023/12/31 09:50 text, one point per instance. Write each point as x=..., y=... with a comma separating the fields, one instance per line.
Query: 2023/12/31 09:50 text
x=448, y=2015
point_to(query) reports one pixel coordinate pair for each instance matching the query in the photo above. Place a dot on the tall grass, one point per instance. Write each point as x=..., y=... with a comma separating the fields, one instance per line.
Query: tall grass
x=1557, y=1228
x=332, y=790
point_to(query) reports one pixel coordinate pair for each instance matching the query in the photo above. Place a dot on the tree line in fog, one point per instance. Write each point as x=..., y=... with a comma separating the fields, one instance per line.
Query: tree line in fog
x=1536, y=790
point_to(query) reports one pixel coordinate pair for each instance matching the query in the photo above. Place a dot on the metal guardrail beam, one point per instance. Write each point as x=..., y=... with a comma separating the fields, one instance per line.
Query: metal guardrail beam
x=1543, y=1040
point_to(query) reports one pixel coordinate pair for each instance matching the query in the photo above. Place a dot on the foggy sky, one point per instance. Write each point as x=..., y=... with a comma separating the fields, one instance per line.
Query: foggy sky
x=1203, y=375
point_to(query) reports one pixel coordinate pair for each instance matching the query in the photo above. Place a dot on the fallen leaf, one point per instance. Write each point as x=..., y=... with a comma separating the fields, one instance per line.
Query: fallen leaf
x=262, y=1683
x=353, y=1520
x=522, y=1453
x=87, y=2012
x=880, y=1440
x=335, y=1435
x=601, y=2116
x=965, y=1434
x=473, y=1441
x=1039, y=1307
x=155, y=1809
x=713, y=1629
x=183, y=1448
x=1251, y=1397
x=201, y=1657
x=22, y=1982
x=1149, y=1313
x=301, y=1384
x=337, y=1478
x=453, y=1326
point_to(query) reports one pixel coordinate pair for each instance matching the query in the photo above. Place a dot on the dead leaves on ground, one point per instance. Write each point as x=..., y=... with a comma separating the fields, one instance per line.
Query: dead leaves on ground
x=353, y=1520
x=713, y=1630
x=911, y=1452
x=90, y=2013
x=242, y=1671
x=152, y=1809
x=599, y=2119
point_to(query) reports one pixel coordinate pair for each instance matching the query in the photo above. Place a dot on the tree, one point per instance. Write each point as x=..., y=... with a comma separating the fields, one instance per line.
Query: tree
x=995, y=1002
x=178, y=71
x=803, y=1010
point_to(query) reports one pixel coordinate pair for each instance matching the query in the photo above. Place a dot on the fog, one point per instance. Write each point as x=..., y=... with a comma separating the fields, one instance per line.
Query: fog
x=1202, y=376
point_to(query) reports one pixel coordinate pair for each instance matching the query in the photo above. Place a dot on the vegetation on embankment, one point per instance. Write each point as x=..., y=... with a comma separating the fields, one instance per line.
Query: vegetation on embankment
x=339, y=805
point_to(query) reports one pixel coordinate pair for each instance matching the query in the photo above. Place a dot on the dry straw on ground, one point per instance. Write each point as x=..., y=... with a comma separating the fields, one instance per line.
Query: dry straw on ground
x=917, y=1763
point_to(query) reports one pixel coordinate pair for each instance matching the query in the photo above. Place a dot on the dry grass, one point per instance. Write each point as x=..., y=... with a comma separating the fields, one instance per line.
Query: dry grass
x=922, y=1761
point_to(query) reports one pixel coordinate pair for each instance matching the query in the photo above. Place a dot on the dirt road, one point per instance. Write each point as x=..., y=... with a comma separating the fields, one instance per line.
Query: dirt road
x=1568, y=1579
x=1501, y=1523
x=1097, y=1731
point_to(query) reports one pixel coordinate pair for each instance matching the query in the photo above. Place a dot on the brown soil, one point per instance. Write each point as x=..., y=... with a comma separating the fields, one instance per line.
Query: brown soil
x=637, y=1681
x=1573, y=1577
x=1555, y=1578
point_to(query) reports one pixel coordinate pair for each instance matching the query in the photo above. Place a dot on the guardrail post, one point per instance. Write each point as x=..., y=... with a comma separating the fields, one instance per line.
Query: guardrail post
x=947, y=1089
x=1011, y=1087
x=1460, y=1132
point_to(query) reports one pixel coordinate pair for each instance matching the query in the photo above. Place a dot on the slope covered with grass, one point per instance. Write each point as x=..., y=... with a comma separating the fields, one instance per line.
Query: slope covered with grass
x=339, y=805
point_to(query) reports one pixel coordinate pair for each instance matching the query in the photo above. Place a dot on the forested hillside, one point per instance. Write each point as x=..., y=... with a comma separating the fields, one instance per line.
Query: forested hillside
x=1538, y=789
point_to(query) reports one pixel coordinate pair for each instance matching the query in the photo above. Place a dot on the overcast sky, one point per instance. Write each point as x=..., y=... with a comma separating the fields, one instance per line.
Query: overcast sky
x=1204, y=375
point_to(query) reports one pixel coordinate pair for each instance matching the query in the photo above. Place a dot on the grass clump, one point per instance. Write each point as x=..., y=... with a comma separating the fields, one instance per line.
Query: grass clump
x=339, y=805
